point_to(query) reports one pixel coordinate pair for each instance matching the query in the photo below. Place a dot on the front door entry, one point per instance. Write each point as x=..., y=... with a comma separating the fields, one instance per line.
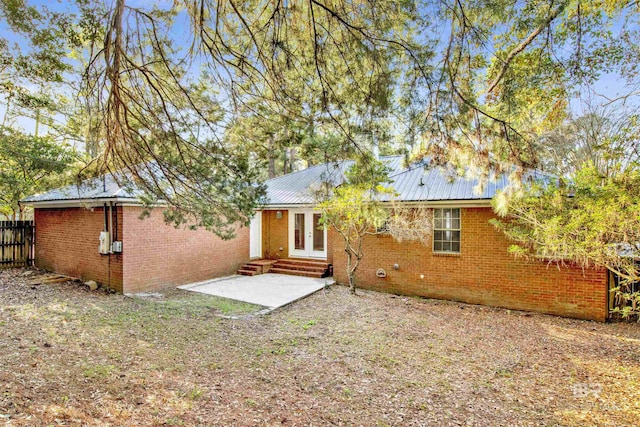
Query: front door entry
x=307, y=238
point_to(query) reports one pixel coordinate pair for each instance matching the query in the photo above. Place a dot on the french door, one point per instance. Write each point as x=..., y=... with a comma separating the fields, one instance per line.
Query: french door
x=307, y=238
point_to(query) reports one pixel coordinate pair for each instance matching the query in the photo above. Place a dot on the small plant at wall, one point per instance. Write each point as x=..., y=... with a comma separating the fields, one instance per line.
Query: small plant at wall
x=362, y=206
x=410, y=224
x=592, y=220
x=353, y=209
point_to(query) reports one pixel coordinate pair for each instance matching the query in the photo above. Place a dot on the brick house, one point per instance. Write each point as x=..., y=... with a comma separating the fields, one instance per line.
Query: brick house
x=467, y=260
x=137, y=254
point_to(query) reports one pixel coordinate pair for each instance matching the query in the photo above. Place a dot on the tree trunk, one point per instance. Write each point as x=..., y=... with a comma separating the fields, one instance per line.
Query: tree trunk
x=351, y=274
x=352, y=283
x=285, y=159
x=91, y=145
x=353, y=266
x=292, y=159
x=271, y=157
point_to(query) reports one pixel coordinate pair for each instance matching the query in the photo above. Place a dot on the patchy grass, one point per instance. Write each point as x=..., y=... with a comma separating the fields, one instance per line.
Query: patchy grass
x=98, y=371
x=73, y=357
x=178, y=303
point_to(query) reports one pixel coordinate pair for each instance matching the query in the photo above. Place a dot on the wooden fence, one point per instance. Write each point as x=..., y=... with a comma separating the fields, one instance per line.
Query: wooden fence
x=16, y=243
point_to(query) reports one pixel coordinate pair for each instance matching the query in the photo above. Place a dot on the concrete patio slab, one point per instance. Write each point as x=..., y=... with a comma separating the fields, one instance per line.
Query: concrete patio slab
x=269, y=290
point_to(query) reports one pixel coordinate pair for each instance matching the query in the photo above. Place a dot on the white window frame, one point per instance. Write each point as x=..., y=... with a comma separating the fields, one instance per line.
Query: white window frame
x=443, y=228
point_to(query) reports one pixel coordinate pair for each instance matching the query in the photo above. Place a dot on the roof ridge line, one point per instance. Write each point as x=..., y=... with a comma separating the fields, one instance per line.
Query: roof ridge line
x=409, y=169
x=307, y=169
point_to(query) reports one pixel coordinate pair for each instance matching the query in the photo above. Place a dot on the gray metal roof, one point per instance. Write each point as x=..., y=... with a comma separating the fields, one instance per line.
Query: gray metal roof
x=104, y=187
x=297, y=187
x=414, y=183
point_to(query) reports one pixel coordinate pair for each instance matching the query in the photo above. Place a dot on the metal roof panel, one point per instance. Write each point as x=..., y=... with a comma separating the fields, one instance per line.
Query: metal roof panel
x=412, y=183
x=104, y=187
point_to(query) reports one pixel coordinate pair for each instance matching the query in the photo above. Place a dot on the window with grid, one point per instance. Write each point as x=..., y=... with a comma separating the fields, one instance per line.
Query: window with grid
x=446, y=230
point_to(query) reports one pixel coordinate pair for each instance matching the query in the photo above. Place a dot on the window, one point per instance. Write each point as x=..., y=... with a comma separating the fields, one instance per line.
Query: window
x=446, y=230
x=384, y=228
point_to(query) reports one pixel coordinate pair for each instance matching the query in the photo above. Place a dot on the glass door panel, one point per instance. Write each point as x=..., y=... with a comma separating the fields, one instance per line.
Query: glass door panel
x=299, y=236
x=318, y=233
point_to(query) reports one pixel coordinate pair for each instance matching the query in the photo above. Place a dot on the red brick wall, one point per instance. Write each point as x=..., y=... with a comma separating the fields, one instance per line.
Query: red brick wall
x=334, y=244
x=483, y=273
x=275, y=234
x=66, y=242
x=157, y=255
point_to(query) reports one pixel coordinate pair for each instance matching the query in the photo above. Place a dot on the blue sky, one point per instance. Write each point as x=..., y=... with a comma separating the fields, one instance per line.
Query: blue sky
x=609, y=86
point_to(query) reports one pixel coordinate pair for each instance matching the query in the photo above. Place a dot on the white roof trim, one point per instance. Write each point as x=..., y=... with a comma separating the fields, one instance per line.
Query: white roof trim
x=80, y=203
x=286, y=207
x=477, y=203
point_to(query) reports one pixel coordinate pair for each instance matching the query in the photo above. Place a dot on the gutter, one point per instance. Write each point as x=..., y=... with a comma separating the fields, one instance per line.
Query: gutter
x=82, y=202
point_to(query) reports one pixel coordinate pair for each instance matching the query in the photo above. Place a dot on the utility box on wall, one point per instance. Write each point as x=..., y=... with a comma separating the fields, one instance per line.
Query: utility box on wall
x=116, y=246
x=105, y=245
